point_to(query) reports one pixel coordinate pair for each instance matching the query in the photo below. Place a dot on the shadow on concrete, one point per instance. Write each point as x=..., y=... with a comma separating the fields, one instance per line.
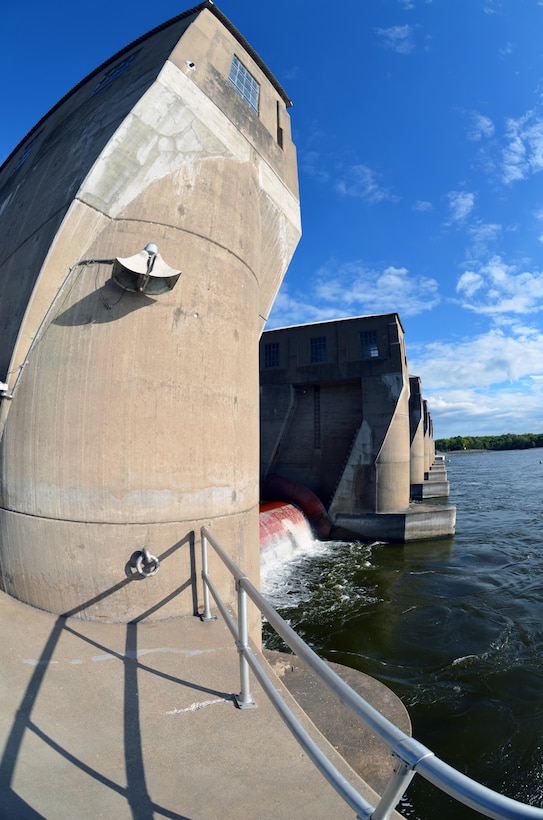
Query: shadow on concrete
x=135, y=792
x=107, y=303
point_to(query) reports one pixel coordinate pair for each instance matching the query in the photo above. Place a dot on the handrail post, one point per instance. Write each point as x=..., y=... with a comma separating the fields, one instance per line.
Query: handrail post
x=206, y=614
x=399, y=781
x=411, y=756
x=244, y=700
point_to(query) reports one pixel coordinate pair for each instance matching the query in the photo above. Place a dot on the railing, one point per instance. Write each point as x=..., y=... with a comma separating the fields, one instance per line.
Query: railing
x=410, y=755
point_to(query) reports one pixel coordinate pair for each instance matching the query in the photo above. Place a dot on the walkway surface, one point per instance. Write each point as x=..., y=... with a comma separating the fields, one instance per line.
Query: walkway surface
x=139, y=721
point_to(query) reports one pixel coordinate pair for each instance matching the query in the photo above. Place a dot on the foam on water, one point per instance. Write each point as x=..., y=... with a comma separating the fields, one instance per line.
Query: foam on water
x=285, y=538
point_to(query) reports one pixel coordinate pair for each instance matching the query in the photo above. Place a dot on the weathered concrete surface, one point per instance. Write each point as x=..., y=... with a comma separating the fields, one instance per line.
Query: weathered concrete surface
x=365, y=752
x=338, y=422
x=430, y=489
x=340, y=415
x=138, y=720
x=418, y=523
x=416, y=431
x=134, y=418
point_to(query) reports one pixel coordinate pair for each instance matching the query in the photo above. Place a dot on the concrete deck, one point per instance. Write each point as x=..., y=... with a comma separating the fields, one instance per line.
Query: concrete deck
x=138, y=721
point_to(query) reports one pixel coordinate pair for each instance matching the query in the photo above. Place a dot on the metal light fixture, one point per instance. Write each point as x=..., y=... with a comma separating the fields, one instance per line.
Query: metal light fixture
x=145, y=272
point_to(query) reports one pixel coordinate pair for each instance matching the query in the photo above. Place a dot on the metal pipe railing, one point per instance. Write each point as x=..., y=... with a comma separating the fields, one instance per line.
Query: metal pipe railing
x=411, y=756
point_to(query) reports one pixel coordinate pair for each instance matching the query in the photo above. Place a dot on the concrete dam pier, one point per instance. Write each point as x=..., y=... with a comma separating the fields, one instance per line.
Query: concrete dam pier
x=147, y=222
x=340, y=416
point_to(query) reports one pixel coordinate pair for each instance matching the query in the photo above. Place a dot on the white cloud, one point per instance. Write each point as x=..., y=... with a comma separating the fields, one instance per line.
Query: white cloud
x=480, y=412
x=351, y=289
x=398, y=38
x=489, y=359
x=483, y=235
x=310, y=164
x=479, y=126
x=299, y=309
x=501, y=289
x=291, y=73
x=491, y=6
x=362, y=291
x=469, y=283
x=361, y=182
x=490, y=383
x=523, y=153
x=461, y=204
x=422, y=205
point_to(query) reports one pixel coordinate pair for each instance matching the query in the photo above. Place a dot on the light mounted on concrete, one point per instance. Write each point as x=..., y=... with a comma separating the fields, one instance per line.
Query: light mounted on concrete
x=145, y=272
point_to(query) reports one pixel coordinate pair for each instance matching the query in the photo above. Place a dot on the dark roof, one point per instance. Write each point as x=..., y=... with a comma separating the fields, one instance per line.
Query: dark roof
x=228, y=25
x=208, y=4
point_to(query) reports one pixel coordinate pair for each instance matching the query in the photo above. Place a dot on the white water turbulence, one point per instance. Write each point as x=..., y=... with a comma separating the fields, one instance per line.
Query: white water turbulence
x=453, y=626
x=298, y=571
x=285, y=538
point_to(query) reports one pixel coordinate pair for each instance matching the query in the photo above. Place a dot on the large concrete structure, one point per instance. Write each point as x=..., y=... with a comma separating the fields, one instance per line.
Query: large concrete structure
x=340, y=416
x=129, y=414
x=428, y=473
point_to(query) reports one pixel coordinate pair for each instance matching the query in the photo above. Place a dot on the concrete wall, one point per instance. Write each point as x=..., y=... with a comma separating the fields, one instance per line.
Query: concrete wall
x=416, y=431
x=346, y=435
x=134, y=419
x=341, y=416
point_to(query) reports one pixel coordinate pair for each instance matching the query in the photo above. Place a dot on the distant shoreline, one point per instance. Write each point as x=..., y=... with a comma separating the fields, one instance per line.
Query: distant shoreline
x=446, y=453
x=461, y=452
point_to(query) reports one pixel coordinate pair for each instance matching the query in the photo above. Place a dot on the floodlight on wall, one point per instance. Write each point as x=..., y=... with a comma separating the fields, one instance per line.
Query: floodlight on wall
x=145, y=272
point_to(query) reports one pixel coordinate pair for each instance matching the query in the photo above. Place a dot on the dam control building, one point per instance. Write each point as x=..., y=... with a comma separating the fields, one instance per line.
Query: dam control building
x=147, y=222
x=341, y=417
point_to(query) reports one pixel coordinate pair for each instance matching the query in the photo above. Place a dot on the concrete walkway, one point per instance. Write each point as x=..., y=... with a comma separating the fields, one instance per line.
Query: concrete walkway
x=138, y=721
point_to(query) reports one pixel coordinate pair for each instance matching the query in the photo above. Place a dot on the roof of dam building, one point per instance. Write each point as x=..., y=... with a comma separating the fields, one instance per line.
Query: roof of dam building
x=374, y=316
x=194, y=11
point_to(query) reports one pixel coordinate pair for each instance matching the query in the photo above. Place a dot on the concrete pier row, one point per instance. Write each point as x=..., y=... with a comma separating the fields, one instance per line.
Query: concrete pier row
x=138, y=721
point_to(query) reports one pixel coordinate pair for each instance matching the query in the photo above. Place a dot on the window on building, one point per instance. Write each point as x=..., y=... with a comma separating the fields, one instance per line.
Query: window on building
x=368, y=344
x=318, y=349
x=271, y=354
x=245, y=84
x=279, y=128
x=112, y=75
x=27, y=151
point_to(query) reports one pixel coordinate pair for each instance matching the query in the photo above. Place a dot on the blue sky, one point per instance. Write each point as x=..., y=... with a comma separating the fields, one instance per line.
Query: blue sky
x=419, y=129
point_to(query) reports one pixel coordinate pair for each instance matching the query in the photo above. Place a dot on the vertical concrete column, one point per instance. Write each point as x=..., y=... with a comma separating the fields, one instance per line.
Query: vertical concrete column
x=392, y=463
x=432, y=442
x=392, y=470
x=427, y=443
x=416, y=431
x=135, y=420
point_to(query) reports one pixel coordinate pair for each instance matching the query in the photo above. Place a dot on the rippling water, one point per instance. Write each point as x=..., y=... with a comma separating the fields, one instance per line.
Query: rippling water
x=454, y=626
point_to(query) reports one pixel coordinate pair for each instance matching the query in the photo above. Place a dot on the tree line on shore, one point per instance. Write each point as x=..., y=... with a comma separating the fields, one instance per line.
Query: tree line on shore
x=507, y=441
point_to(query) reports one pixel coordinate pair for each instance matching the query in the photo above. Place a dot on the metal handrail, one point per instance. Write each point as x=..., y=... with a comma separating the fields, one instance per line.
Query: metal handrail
x=411, y=756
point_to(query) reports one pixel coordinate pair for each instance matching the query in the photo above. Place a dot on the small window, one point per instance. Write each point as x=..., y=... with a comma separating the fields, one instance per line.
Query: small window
x=245, y=84
x=271, y=354
x=279, y=128
x=27, y=151
x=112, y=75
x=368, y=344
x=318, y=349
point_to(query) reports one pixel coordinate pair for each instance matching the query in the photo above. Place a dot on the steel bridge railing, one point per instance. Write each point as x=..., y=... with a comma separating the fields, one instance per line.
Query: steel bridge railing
x=411, y=757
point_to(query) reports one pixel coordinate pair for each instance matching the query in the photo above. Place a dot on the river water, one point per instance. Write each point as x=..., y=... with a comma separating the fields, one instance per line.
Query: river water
x=453, y=626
